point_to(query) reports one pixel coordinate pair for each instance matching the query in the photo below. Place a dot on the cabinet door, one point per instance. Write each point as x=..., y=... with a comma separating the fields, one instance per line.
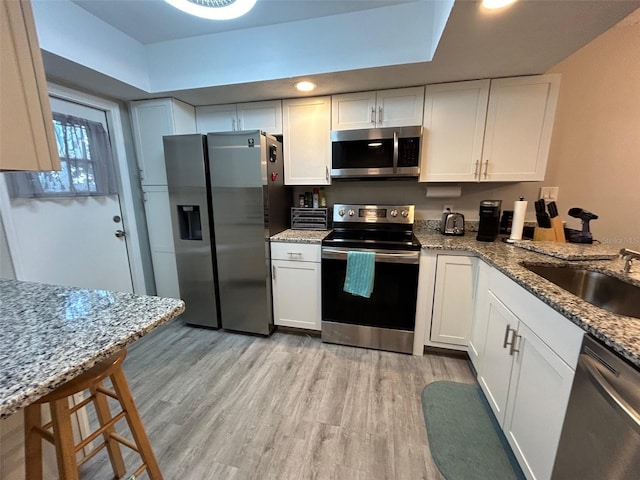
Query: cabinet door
x=454, y=123
x=353, y=111
x=28, y=141
x=307, y=154
x=266, y=116
x=158, y=214
x=165, y=274
x=151, y=120
x=478, y=334
x=216, y=118
x=296, y=294
x=518, y=130
x=453, y=299
x=538, y=397
x=497, y=361
x=400, y=107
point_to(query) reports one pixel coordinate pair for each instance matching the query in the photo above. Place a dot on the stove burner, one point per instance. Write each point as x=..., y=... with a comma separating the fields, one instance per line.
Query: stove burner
x=373, y=227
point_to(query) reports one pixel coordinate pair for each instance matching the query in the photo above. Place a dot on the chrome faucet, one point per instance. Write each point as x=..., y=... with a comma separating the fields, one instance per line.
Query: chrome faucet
x=628, y=256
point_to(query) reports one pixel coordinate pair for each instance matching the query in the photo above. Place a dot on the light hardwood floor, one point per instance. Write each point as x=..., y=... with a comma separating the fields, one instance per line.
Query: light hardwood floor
x=219, y=405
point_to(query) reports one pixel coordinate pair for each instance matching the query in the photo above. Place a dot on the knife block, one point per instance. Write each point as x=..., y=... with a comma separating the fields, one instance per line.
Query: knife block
x=544, y=235
x=558, y=228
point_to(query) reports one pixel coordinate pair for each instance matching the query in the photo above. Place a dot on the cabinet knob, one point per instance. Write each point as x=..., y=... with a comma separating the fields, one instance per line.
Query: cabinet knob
x=120, y=234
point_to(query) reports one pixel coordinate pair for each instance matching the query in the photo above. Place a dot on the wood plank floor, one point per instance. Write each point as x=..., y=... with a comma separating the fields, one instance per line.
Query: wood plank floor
x=219, y=405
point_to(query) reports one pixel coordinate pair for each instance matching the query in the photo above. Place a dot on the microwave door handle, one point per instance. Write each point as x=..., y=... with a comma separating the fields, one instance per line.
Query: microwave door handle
x=395, y=152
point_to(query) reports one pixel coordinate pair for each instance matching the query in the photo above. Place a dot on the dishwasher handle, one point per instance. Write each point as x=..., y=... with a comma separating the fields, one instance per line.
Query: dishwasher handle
x=590, y=367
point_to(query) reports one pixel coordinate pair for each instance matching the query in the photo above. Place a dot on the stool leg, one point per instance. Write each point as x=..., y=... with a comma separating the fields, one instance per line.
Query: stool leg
x=104, y=415
x=135, y=424
x=32, y=442
x=64, y=442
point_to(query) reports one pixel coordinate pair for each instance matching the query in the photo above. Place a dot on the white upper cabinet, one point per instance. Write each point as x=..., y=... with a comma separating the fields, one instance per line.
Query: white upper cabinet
x=266, y=116
x=307, y=149
x=453, y=133
x=151, y=120
x=488, y=131
x=26, y=129
x=385, y=108
x=519, y=126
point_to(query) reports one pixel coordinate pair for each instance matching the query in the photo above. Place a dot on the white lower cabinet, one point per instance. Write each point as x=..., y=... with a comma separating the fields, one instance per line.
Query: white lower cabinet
x=525, y=354
x=445, y=304
x=453, y=299
x=295, y=275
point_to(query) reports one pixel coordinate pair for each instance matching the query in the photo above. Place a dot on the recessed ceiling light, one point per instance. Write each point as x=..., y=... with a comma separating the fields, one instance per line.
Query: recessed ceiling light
x=493, y=4
x=305, y=86
x=214, y=9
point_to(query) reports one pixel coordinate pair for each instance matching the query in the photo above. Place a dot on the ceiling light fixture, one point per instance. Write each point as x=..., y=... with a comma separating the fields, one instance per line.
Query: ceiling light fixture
x=494, y=4
x=305, y=86
x=214, y=9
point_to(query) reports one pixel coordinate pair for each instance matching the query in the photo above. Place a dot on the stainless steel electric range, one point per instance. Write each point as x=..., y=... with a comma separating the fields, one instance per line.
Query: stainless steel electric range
x=385, y=320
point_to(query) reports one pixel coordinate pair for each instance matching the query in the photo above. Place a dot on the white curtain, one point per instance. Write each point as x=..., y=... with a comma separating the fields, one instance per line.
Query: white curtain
x=86, y=160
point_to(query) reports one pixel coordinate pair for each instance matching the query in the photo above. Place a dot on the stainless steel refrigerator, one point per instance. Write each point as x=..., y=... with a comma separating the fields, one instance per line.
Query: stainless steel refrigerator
x=250, y=203
x=189, y=200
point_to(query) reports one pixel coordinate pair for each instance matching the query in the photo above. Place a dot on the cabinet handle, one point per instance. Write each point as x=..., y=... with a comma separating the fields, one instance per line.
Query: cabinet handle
x=326, y=173
x=380, y=115
x=513, y=343
x=239, y=124
x=373, y=115
x=233, y=124
x=506, y=336
x=486, y=168
x=294, y=254
x=475, y=170
x=273, y=272
x=141, y=174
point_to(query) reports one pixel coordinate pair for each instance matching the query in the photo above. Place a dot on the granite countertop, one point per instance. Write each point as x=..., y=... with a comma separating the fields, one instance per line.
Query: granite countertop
x=51, y=334
x=621, y=333
x=301, y=236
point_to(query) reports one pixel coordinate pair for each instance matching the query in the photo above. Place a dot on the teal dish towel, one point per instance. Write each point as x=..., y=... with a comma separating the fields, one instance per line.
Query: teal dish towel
x=360, y=273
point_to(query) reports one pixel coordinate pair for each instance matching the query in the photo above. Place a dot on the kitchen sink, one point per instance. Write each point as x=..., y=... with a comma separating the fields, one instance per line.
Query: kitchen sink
x=603, y=291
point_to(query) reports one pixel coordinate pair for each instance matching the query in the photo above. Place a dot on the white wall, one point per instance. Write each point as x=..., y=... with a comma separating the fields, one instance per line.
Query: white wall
x=595, y=150
x=6, y=266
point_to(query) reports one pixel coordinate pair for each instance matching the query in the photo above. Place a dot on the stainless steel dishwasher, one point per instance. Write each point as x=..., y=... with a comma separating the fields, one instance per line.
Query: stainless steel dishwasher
x=601, y=433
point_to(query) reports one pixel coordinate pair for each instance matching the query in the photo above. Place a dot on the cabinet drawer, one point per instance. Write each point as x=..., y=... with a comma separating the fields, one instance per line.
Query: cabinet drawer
x=301, y=252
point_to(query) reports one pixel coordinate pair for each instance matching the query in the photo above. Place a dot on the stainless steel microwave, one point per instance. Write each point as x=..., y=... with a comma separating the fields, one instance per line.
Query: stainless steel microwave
x=376, y=152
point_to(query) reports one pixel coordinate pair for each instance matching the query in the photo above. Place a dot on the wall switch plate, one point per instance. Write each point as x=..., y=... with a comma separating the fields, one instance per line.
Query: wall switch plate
x=549, y=194
x=447, y=208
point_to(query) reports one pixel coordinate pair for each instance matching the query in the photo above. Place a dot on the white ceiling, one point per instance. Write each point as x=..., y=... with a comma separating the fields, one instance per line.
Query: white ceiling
x=152, y=21
x=528, y=38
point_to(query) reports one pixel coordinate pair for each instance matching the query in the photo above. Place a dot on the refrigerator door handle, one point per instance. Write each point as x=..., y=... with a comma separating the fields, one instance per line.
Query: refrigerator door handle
x=273, y=272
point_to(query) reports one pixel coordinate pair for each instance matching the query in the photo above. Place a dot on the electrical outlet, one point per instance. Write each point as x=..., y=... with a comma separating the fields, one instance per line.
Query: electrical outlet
x=448, y=208
x=549, y=194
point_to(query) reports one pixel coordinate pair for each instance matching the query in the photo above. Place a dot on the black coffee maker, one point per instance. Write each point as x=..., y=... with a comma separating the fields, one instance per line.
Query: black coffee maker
x=489, y=220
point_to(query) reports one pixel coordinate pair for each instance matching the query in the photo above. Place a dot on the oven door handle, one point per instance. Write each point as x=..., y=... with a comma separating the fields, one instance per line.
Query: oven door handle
x=382, y=257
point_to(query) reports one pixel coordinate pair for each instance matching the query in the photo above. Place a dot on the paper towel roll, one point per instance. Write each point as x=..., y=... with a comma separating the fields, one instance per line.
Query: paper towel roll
x=519, y=211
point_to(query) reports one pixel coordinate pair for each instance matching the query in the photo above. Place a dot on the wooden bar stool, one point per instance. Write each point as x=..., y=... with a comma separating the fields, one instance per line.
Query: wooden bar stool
x=59, y=432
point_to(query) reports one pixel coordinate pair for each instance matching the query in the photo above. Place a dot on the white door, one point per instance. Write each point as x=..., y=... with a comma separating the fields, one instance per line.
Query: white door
x=71, y=241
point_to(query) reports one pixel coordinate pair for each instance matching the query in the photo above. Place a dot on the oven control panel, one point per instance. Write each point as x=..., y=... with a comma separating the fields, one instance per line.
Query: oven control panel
x=402, y=214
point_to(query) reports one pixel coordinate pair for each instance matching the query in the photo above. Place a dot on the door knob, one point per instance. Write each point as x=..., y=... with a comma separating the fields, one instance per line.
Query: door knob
x=119, y=233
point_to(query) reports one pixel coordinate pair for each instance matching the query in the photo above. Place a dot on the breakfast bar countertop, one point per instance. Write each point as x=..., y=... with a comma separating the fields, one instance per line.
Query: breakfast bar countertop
x=51, y=334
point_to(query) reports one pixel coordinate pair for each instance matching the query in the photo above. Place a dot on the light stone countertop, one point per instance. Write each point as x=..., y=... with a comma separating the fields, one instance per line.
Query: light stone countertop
x=621, y=333
x=301, y=236
x=51, y=334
